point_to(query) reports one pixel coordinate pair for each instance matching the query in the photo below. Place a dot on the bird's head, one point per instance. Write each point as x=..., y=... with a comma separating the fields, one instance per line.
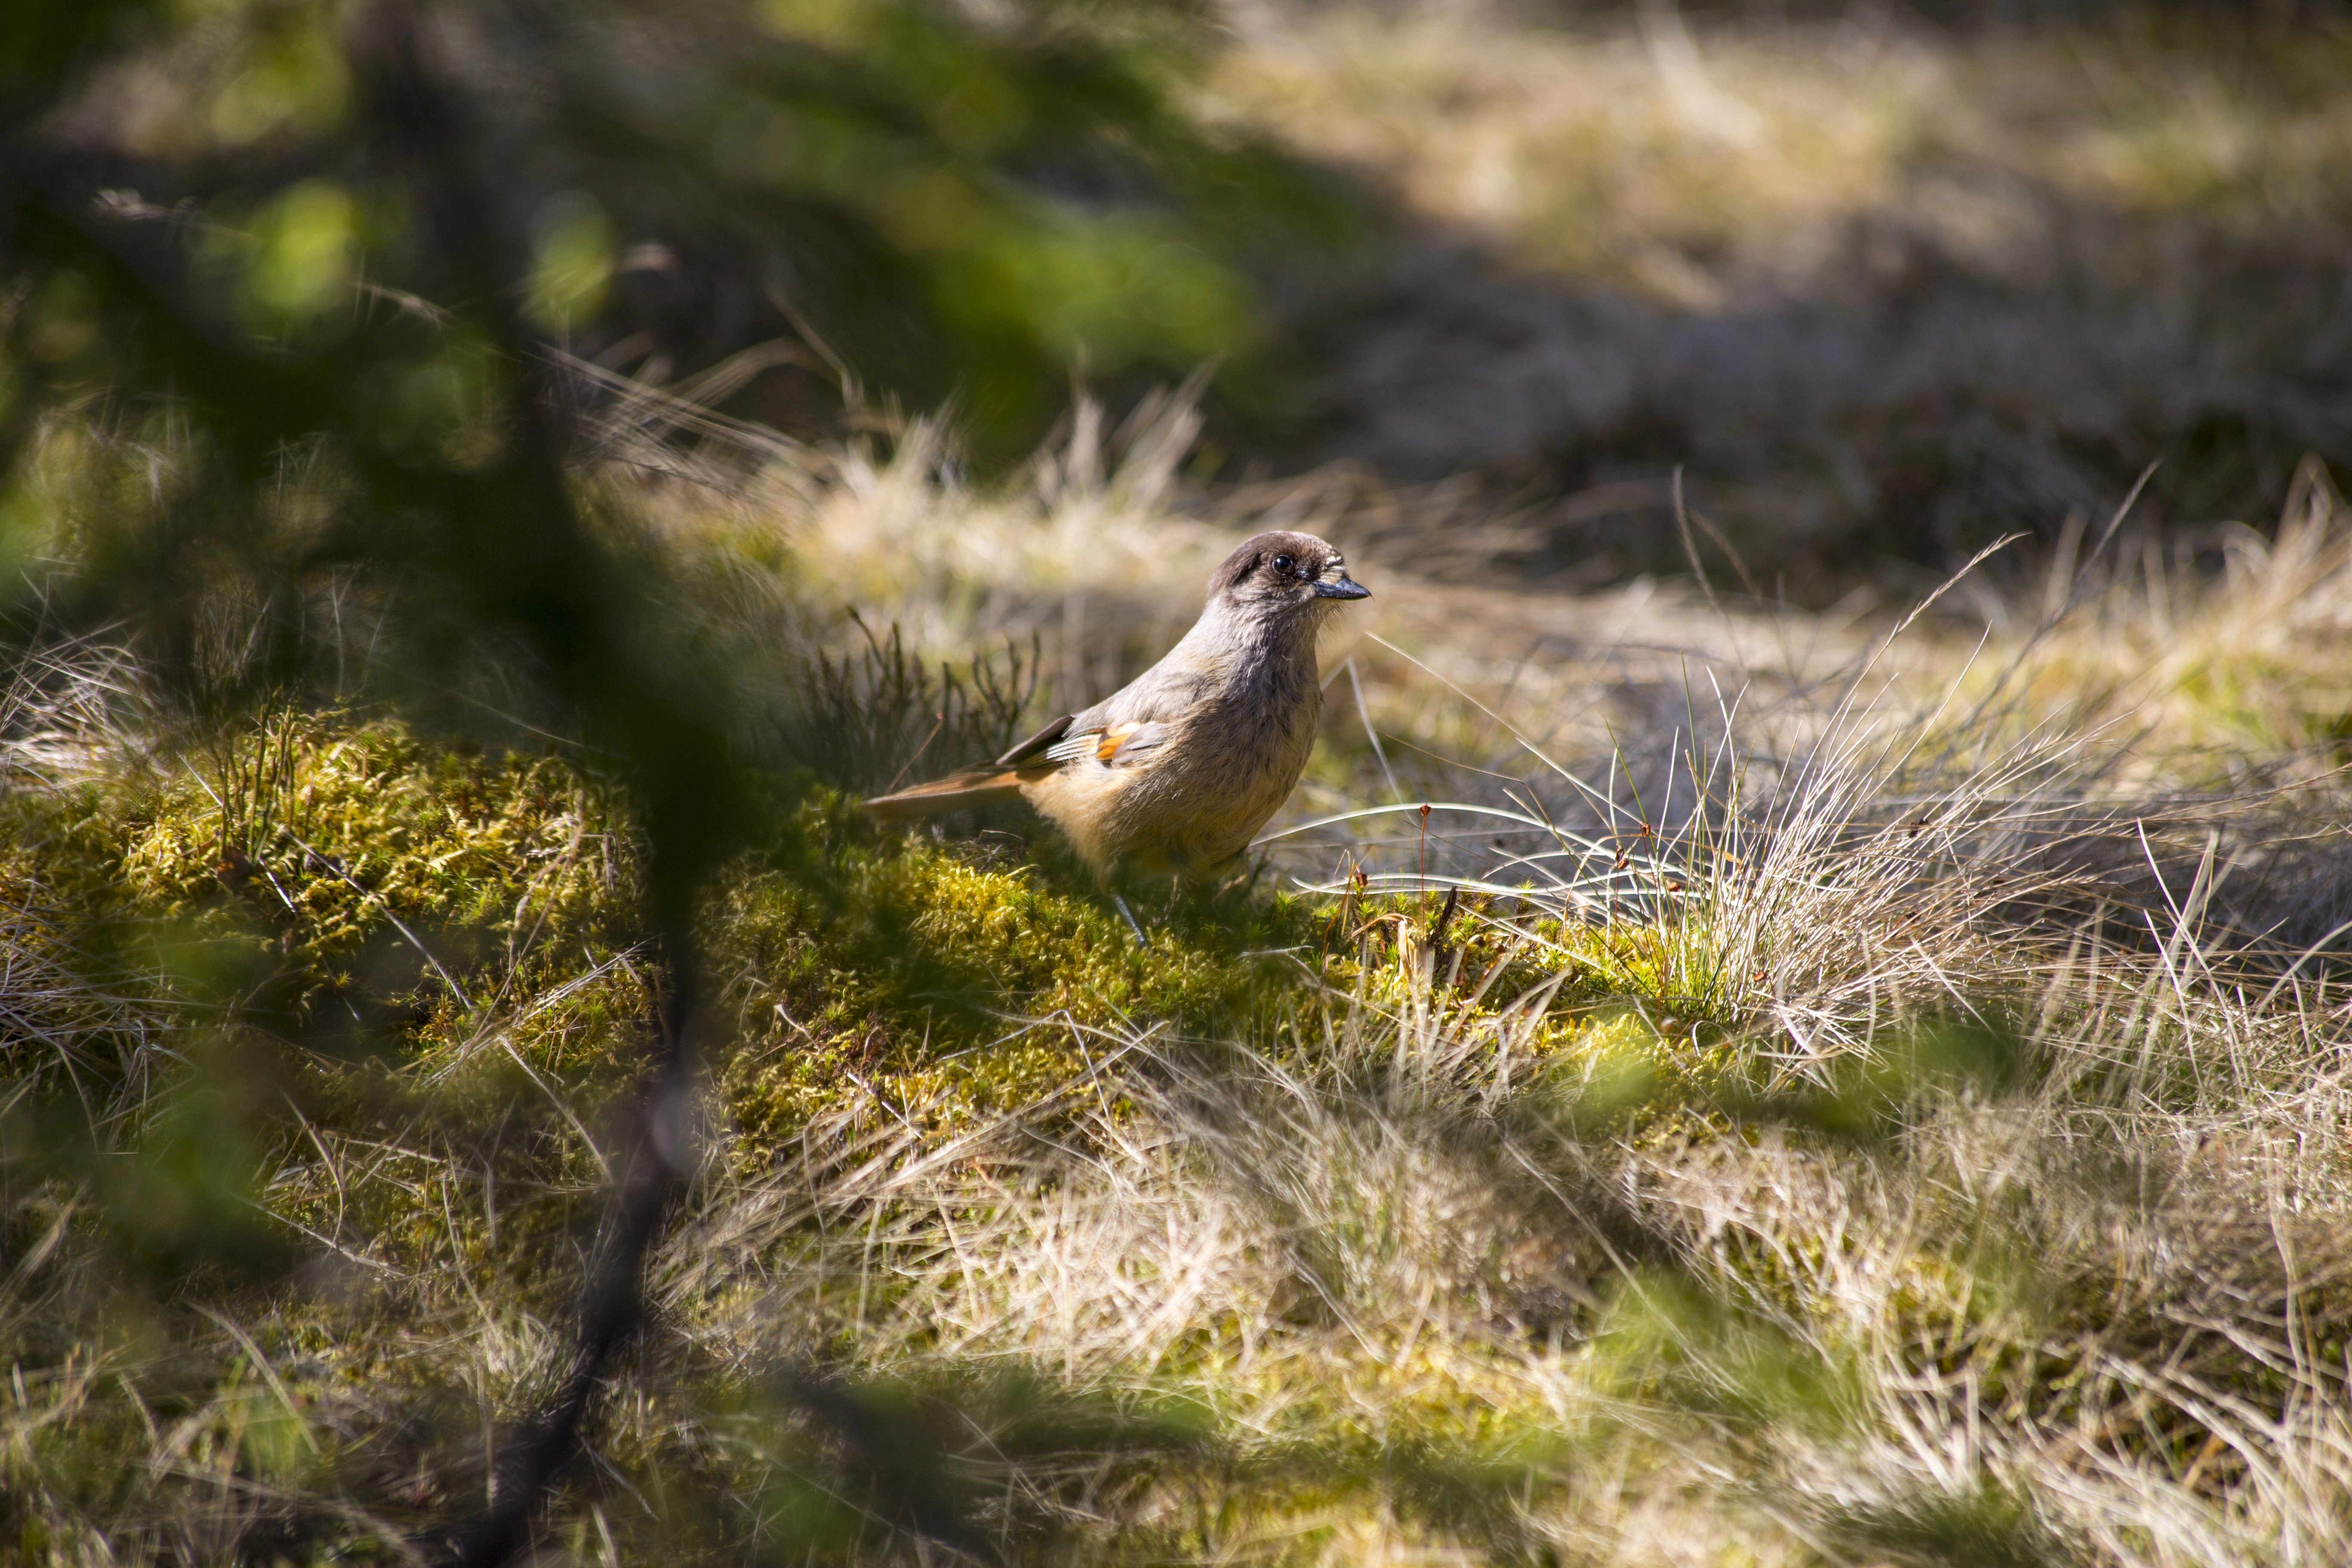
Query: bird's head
x=1284, y=573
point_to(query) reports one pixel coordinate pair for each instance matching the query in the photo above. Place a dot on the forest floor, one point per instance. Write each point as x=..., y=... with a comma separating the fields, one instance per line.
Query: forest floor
x=1803, y=1089
x=1693, y=1078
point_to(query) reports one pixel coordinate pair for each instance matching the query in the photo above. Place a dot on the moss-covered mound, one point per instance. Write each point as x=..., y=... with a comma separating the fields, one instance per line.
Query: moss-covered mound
x=343, y=883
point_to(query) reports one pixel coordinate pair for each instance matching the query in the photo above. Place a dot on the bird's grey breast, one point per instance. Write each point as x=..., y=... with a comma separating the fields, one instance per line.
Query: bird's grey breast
x=1249, y=714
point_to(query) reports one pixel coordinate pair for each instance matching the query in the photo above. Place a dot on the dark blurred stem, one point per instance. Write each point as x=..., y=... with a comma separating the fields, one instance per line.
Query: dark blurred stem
x=612, y=1302
x=543, y=570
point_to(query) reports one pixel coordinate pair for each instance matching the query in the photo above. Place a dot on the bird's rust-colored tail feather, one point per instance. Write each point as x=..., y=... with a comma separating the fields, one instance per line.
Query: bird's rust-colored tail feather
x=980, y=786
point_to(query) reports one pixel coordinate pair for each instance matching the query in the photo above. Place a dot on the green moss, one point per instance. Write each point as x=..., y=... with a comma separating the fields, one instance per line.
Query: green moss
x=280, y=866
x=947, y=986
x=362, y=824
x=333, y=866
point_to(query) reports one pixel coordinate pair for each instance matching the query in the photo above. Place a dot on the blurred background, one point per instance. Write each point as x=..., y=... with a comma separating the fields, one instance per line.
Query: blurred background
x=1882, y=281
x=1885, y=281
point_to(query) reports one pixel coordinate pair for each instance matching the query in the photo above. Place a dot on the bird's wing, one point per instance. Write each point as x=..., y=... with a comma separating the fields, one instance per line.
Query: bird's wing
x=1038, y=741
x=1118, y=746
x=1167, y=693
x=1137, y=716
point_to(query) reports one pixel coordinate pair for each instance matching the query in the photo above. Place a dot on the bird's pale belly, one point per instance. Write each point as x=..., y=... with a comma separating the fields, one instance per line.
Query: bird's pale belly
x=1192, y=809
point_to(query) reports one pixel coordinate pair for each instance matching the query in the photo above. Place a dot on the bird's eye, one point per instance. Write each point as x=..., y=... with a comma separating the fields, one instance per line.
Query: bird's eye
x=1283, y=564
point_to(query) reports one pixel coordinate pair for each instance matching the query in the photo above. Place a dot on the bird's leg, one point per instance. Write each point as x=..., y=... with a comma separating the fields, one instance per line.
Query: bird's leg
x=1129, y=915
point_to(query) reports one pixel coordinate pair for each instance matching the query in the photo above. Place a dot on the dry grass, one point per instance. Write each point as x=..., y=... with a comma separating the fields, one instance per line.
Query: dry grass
x=1898, y=1153
x=1412, y=1312
x=1899, y=1187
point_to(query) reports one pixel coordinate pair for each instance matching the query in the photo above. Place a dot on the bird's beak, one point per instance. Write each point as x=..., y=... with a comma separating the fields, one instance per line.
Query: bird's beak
x=1341, y=587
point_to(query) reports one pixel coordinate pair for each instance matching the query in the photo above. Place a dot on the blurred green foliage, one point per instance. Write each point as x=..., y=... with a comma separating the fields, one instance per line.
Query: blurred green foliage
x=284, y=288
x=931, y=200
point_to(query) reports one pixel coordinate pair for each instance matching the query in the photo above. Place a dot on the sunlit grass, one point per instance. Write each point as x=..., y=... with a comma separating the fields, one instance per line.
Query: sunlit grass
x=1767, y=1109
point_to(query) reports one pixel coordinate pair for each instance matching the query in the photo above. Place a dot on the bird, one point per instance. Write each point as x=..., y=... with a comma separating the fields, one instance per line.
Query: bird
x=1179, y=769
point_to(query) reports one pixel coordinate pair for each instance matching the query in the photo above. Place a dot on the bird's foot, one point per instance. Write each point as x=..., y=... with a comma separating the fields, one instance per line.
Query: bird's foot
x=1129, y=915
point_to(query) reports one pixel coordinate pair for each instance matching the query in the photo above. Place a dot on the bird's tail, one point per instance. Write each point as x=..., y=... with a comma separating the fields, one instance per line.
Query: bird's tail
x=978, y=786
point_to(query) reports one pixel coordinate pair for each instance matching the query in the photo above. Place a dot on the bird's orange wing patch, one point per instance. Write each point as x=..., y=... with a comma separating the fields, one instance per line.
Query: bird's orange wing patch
x=1130, y=743
x=1117, y=746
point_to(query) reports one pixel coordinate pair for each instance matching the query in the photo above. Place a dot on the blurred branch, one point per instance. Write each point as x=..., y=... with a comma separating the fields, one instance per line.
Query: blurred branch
x=546, y=576
x=503, y=539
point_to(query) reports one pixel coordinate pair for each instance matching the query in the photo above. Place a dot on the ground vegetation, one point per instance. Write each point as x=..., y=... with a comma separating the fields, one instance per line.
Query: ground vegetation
x=1691, y=1077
